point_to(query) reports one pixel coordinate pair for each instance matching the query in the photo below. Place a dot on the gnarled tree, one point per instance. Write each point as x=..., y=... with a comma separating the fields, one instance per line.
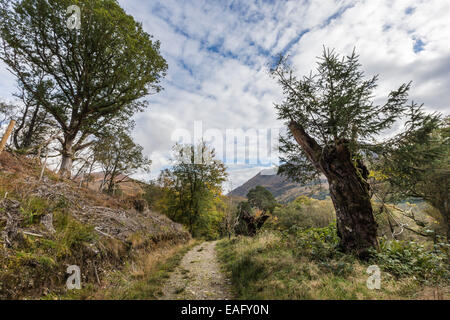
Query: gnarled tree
x=332, y=121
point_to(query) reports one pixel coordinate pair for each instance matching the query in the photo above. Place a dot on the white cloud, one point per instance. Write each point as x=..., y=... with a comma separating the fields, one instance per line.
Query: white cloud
x=217, y=53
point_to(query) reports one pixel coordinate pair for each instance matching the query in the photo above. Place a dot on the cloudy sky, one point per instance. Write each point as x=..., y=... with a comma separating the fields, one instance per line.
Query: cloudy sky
x=218, y=52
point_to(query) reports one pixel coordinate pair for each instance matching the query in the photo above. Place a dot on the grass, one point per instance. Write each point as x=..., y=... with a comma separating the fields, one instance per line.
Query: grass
x=34, y=267
x=38, y=264
x=143, y=279
x=275, y=266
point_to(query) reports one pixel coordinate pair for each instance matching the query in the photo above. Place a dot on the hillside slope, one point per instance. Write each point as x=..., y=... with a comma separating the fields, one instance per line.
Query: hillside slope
x=47, y=225
x=282, y=188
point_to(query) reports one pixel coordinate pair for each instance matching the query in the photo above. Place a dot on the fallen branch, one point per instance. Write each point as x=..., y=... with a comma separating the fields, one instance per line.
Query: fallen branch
x=103, y=233
x=32, y=234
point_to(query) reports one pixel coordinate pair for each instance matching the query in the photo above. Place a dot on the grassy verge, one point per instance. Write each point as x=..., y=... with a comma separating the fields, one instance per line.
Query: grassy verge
x=274, y=265
x=142, y=279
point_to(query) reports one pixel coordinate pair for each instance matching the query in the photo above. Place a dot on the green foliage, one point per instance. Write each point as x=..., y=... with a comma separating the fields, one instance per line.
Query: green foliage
x=252, y=214
x=191, y=191
x=118, y=155
x=303, y=212
x=42, y=260
x=83, y=78
x=261, y=198
x=417, y=164
x=406, y=258
x=268, y=267
x=332, y=106
x=319, y=244
x=33, y=209
x=306, y=264
x=73, y=234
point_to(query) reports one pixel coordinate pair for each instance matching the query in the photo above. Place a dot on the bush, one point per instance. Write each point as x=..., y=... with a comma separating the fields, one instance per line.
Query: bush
x=319, y=244
x=303, y=212
x=407, y=258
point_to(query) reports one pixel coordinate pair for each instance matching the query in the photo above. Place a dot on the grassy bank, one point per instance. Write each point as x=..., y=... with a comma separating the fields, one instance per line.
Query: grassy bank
x=305, y=264
x=142, y=279
x=47, y=225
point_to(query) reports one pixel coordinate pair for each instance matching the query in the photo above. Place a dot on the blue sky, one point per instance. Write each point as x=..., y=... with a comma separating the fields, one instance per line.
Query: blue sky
x=218, y=53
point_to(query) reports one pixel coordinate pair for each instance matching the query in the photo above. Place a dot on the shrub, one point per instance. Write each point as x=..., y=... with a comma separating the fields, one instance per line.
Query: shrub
x=303, y=212
x=319, y=244
x=407, y=258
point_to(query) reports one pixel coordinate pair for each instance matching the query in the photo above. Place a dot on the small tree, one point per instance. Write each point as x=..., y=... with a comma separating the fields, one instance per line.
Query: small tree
x=251, y=219
x=332, y=122
x=197, y=179
x=231, y=218
x=83, y=78
x=261, y=198
x=254, y=212
x=119, y=155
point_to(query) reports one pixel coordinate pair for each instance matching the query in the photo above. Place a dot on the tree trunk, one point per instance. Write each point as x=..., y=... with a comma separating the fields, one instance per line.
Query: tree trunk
x=27, y=140
x=253, y=224
x=349, y=191
x=65, y=171
x=6, y=135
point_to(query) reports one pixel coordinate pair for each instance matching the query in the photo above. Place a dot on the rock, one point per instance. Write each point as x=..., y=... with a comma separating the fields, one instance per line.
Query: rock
x=47, y=221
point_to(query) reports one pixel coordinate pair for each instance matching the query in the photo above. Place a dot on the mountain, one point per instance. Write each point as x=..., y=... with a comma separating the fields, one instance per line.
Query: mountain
x=282, y=188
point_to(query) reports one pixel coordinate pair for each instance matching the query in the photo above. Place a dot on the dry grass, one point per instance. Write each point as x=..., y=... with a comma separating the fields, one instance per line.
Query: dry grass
x=128, y=241
x=265, y=267
x=143, y=278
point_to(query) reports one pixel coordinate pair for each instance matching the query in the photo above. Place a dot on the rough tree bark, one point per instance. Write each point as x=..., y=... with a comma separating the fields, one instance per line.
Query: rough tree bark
x=349, y=191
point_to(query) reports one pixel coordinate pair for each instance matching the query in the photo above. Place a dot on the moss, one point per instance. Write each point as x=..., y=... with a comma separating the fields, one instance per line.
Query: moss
x=33, y=209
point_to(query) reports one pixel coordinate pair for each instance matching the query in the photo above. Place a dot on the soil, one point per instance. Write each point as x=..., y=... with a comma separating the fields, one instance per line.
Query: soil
x=198, y=277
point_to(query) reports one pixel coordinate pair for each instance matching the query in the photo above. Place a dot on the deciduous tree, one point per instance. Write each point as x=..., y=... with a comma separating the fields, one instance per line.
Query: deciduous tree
x=197, y=179
x=91, y=76
x=119, y=157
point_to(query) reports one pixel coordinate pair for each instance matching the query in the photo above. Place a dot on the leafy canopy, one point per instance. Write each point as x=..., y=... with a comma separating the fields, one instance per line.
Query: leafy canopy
x=84, y=78
x=119, y=156
x=261, y=198
x=194, y=189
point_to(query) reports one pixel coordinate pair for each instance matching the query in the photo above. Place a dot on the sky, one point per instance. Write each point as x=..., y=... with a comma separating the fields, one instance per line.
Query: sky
x=218, y=53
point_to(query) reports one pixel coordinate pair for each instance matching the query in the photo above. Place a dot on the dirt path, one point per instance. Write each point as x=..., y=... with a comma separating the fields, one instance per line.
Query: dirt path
x=198, y=277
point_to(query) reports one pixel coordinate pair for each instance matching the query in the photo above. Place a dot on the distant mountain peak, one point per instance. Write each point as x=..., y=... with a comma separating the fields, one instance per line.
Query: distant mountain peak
x=281, y=187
